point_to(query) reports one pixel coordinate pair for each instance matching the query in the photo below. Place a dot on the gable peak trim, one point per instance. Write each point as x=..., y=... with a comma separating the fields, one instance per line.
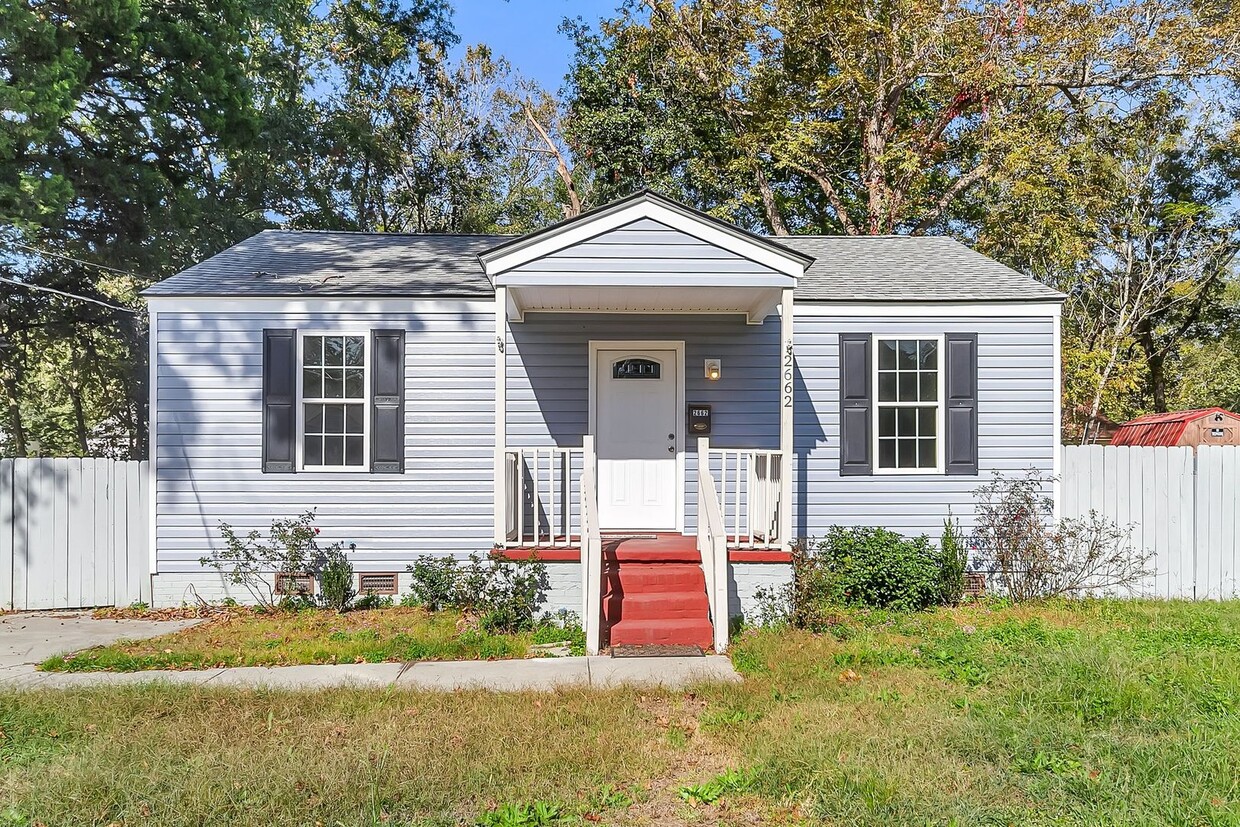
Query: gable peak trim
x=643, y=205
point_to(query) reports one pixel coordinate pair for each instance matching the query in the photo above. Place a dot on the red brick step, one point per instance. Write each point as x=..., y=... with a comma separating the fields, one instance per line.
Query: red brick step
x=656, y=592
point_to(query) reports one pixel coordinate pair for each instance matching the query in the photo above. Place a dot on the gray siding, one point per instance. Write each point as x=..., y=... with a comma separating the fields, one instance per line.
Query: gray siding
x=1016, y=403
x=646, y=247
x=209, y=438
x=208, y=426
x=549, y=377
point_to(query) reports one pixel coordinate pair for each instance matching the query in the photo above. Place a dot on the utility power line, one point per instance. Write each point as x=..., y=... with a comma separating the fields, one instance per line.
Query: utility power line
x=63, y=257
x=68, y=295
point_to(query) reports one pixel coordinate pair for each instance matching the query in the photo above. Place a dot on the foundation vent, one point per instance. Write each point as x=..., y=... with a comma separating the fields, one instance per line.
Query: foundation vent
x=290, y=583
x=377, y=583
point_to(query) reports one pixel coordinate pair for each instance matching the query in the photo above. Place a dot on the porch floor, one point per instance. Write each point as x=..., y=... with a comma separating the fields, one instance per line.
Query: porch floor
x=643, y=547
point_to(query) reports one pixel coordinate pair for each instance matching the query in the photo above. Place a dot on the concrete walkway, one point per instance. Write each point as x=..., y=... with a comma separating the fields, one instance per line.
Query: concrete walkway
x=535, y=674
x=33, y=637
x=29, y=638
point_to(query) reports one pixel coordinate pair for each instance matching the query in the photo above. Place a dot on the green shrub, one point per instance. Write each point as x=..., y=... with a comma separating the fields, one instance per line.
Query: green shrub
x=370, y=600
x=336, y=579
x=290, y=547
x=879, y=568
x=505, y=595
x=434, y=583
x=953, y=558
x=862, y=566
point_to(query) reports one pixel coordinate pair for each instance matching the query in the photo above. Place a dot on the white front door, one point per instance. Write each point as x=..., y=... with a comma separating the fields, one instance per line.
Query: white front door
x=637, y=439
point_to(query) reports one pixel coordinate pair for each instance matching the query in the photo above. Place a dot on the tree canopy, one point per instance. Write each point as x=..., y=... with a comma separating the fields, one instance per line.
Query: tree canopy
x=1090, y=143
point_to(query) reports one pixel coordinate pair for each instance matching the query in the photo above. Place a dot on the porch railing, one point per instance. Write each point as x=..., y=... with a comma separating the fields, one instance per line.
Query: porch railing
x=712, y=544
x=750, y=494
x=591, y=551
x=543, y=491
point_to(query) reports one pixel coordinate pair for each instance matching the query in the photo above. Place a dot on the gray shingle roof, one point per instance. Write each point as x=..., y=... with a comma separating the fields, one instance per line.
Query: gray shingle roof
x=846, y=268
x=907, y=268
x=284, y=262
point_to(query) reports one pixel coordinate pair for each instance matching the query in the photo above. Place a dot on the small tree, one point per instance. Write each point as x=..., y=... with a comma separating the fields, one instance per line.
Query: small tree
x=336, y=579
x=1034, y=557
x=246, y=561
x=953, y=559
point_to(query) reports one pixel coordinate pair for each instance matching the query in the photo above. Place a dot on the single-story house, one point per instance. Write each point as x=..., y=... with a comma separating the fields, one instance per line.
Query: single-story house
x=1202, y=426
x=653, y=401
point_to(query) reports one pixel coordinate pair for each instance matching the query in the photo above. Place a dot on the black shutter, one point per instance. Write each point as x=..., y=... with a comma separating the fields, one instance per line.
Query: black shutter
x=279, y=401
x=855, y=404
x=387, y=402
x=961, y=403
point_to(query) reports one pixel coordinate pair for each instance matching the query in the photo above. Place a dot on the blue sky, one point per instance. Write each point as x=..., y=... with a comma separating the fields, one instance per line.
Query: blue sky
x=525, y=32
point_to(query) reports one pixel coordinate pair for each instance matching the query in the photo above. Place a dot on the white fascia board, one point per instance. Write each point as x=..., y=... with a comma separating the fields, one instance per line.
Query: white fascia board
x=932, y=309
x=575, y=233
x=654, y=280
x=292, y=304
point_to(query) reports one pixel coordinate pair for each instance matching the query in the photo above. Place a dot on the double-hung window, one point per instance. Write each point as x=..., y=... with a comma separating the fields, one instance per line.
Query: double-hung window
x=908, y=405
x=333, y=401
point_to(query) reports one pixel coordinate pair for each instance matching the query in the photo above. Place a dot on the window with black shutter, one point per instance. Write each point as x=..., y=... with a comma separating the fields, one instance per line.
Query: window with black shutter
x=854, y=403
x=960, y=362
x=333, y=401
x=387, y=402
x=279, y=401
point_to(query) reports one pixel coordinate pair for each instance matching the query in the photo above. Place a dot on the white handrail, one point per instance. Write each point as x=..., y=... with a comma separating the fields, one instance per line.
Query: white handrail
x=539, y=484
x=750, y=495
x=713, y=546
x=591, y=552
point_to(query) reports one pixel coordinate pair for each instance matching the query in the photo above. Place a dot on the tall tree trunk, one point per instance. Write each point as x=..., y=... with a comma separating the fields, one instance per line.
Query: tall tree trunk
x=16, y=427
x=1156, y=367
x=769, y=204
x=79, y=418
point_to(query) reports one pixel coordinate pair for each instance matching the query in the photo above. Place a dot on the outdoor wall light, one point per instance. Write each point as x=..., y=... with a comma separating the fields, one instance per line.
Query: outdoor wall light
x=714, y=369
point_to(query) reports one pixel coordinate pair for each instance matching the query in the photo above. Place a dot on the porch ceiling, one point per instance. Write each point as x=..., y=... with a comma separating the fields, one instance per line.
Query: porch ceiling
x=755, y=303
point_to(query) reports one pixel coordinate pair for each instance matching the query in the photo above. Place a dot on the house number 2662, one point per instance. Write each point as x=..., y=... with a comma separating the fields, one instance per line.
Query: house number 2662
x=788, y=374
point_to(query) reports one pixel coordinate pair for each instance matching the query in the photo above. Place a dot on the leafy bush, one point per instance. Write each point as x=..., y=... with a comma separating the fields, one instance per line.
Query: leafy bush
x=1035, y=557
x=370, y=600
x=879, y=568
x=336, y=579
x=861, y=566
x=953, y=560
x=505, y=595
x=247, y=561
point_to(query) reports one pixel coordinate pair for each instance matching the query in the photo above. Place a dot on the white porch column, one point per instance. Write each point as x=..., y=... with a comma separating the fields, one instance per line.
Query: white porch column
x=787, y=402
x=501, y=414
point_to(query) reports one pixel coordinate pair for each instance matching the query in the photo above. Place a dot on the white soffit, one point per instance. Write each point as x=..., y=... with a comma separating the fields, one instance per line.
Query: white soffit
x=755, y=303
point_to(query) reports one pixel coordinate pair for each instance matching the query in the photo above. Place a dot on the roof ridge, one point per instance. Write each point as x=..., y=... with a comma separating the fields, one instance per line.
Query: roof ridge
x=385, y=233
x=904, y=236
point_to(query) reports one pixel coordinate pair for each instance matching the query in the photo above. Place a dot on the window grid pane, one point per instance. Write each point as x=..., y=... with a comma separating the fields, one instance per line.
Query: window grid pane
x=333, y=429
x=907, y=391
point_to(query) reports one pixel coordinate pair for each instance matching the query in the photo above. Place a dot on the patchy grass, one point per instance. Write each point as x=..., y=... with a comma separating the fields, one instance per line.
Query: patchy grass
x=248, y=638
x=1076, y=714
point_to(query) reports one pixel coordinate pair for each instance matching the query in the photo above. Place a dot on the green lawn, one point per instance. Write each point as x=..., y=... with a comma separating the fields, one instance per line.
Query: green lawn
x=1099, y=713
x=243, y=637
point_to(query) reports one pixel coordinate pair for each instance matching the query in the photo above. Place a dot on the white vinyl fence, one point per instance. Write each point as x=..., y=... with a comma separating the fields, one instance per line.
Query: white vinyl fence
x=73, y=533
x=1182, y=507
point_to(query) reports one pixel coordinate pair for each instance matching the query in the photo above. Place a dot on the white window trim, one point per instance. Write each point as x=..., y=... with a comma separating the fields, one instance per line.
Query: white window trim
x=364, y=468
x=939, y=425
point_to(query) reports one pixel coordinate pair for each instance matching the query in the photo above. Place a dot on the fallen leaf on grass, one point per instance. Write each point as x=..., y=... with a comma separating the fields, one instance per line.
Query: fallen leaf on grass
x=849, y=676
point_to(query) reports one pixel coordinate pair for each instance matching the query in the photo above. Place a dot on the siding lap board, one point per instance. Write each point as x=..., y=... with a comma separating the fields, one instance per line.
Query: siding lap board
x=1015, y=423
x=208, y=459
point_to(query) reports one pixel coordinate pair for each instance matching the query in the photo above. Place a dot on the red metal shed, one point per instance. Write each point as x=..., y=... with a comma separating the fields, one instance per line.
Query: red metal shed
x=1204, y=426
